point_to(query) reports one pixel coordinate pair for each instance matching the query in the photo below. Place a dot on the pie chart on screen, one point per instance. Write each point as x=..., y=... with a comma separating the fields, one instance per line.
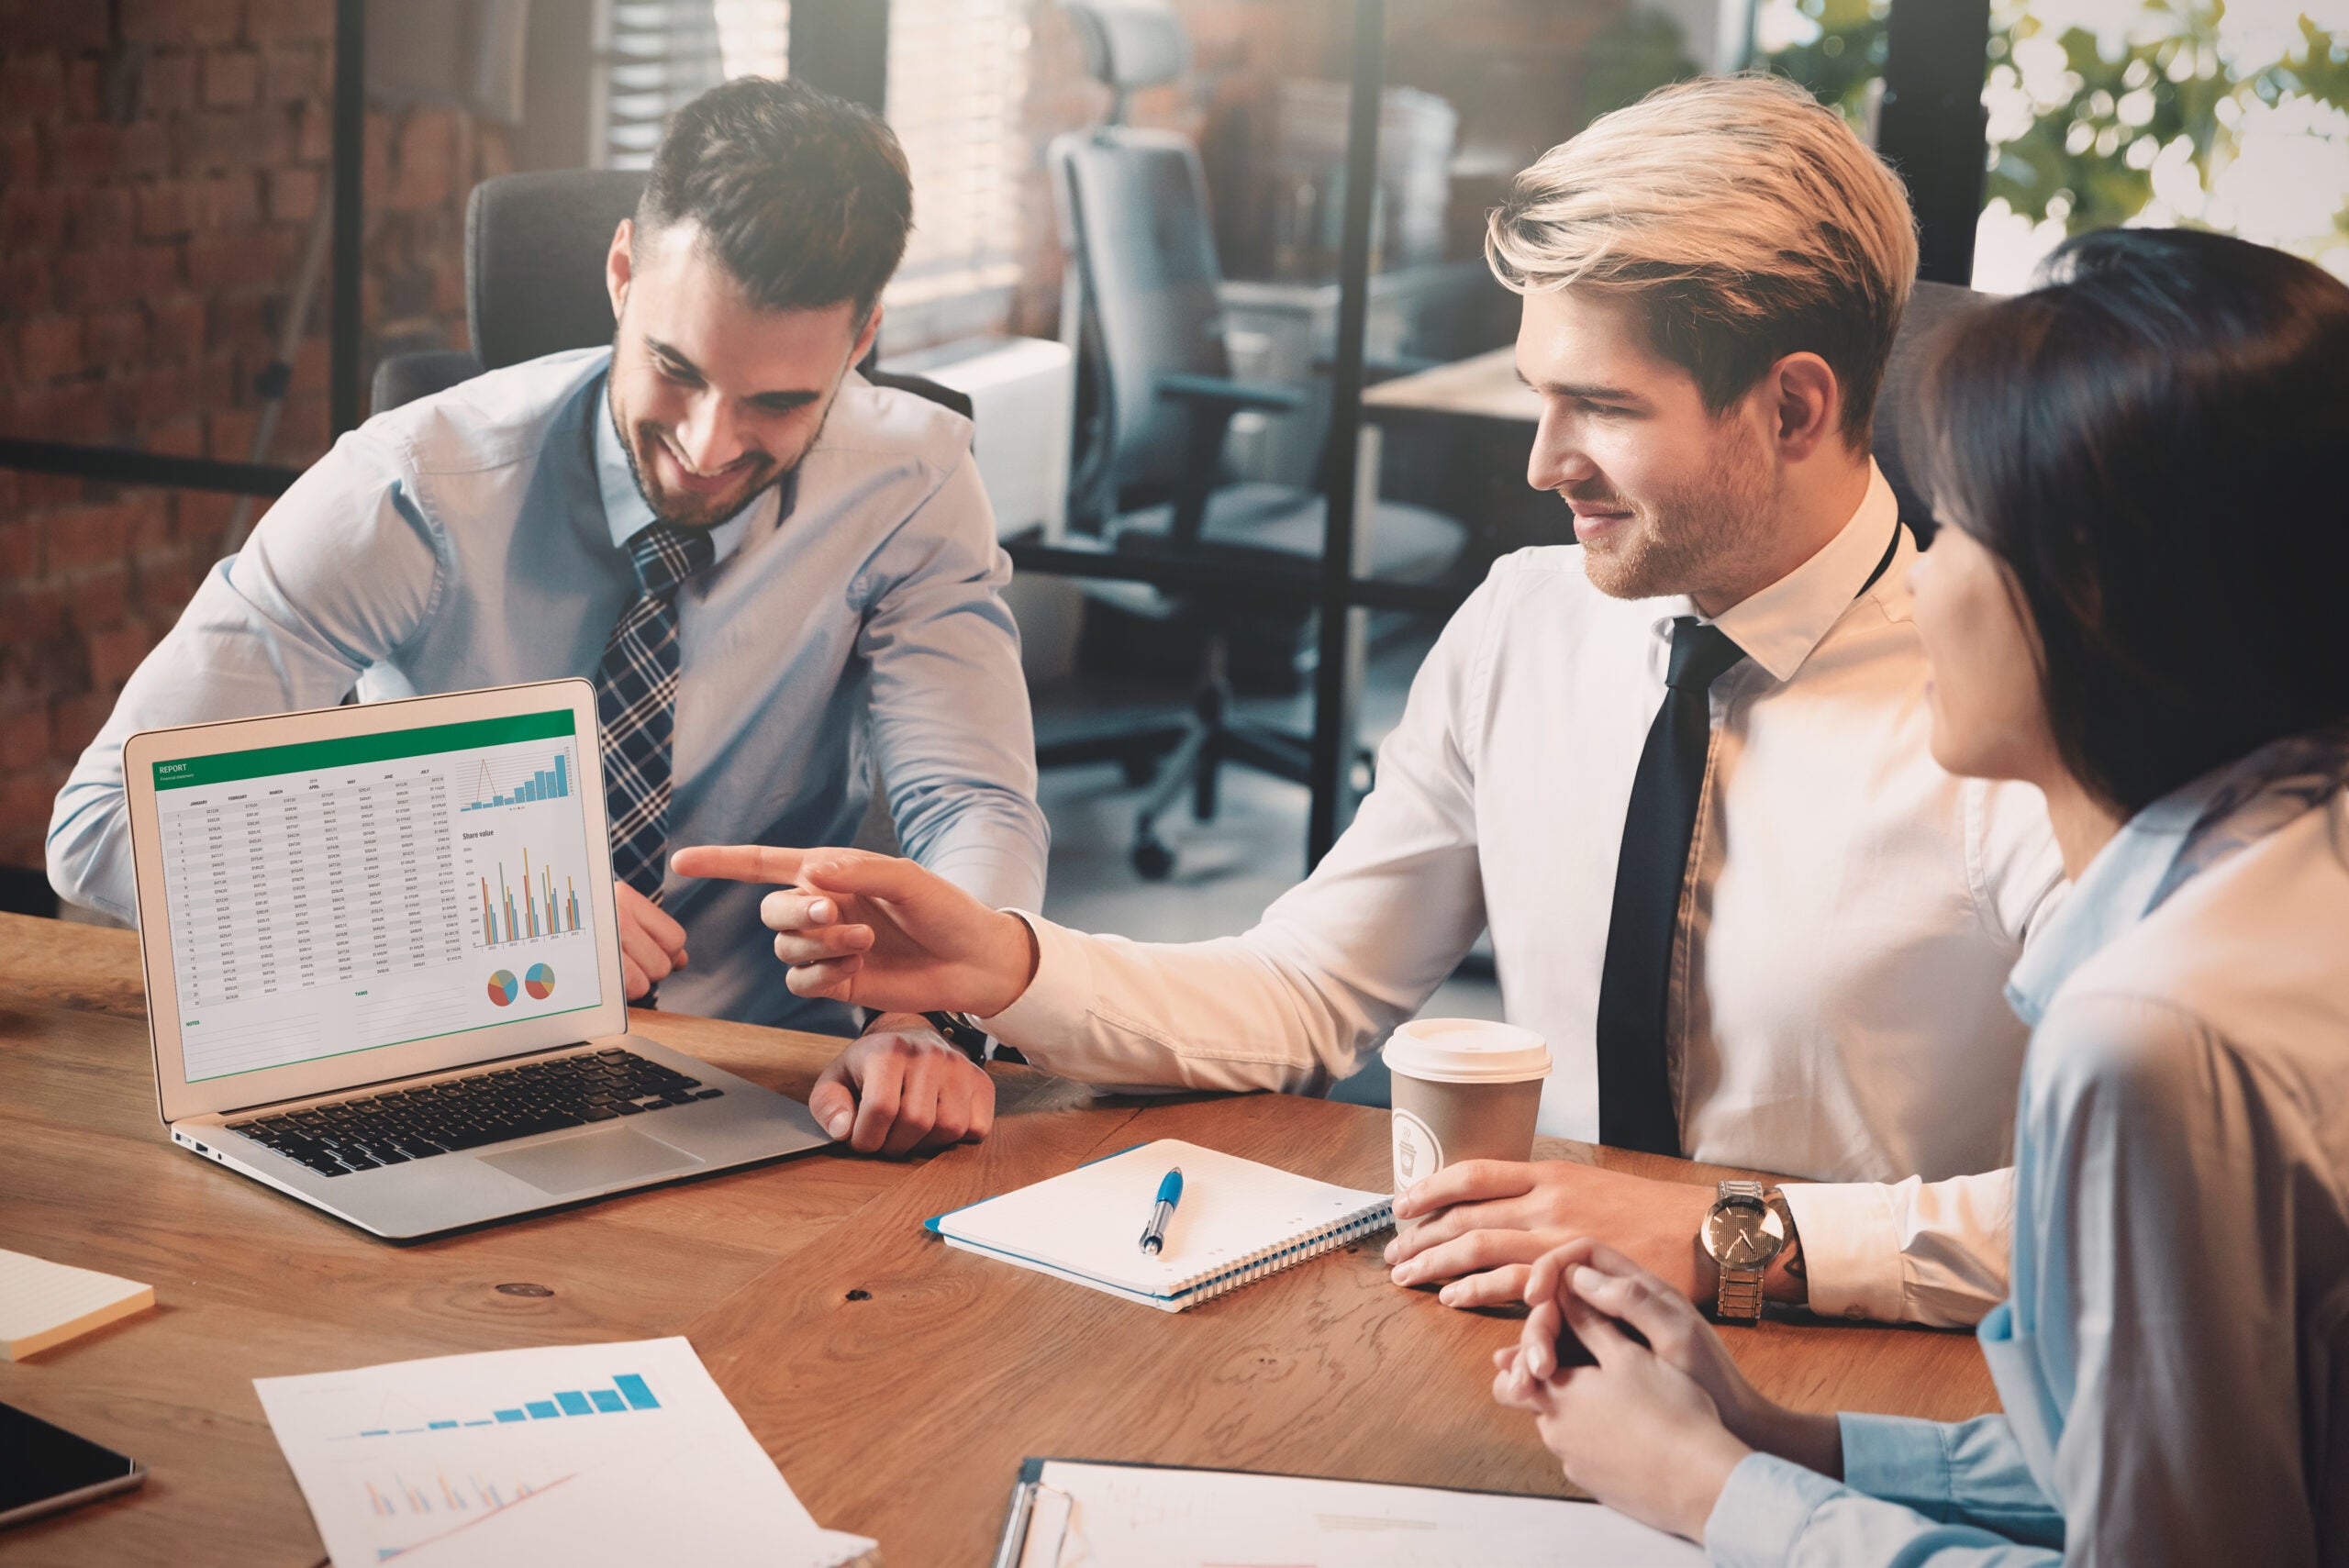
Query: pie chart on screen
x=540, y=981
x=504, y=987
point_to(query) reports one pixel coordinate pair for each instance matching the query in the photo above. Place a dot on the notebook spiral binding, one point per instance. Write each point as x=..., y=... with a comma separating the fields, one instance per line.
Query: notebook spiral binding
x=1255, y=1266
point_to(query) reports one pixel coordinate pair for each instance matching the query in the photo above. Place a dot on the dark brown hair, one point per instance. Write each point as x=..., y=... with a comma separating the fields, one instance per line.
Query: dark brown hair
x=803, y=196
x=2154, y=444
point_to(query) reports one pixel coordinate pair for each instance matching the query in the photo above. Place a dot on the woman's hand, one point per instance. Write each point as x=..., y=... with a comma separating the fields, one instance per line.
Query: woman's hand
x=1635, y=1431
x=1593, y=1274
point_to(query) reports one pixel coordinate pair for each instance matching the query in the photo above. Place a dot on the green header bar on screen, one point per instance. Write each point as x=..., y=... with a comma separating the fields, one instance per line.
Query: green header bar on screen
x=356, y=751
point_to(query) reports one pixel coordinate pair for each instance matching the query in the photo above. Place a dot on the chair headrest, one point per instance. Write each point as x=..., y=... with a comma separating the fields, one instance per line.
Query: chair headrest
x=1896, y=432
x=1130, y=43
x=534, y=261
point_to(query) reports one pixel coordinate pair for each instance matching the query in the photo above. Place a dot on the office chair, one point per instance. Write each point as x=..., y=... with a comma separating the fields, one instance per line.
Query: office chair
x=1156, y=397
x=534, y=283
x=1929, y=305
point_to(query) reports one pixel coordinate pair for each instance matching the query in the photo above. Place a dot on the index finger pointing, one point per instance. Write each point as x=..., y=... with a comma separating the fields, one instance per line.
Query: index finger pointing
x=739, y=862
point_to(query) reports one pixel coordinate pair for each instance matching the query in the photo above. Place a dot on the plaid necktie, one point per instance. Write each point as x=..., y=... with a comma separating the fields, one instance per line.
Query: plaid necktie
x=636, y=698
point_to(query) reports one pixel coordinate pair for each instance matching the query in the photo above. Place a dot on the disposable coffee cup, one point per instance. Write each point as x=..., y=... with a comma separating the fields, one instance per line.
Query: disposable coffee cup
x=1464, y=1089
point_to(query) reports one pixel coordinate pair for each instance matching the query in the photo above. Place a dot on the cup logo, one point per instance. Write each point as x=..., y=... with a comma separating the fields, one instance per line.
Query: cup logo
x=1417, y=1152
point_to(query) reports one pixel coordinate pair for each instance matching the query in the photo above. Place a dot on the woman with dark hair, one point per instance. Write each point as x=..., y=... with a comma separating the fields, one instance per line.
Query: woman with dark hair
x=2137, y=607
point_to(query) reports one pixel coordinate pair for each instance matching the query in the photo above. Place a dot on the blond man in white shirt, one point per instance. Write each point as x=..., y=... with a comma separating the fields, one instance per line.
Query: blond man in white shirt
x=1711, y=282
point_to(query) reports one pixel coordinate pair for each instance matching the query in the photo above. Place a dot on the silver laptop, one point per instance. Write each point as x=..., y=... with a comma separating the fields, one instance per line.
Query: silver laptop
x=383, y=971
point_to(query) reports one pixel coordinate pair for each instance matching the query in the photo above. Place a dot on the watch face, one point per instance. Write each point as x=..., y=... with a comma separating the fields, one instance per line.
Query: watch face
x=1744, y=1233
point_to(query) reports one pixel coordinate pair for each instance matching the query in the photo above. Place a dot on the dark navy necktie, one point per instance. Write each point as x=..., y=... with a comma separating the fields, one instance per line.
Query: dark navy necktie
x=1635, y=1103
x=636, y=698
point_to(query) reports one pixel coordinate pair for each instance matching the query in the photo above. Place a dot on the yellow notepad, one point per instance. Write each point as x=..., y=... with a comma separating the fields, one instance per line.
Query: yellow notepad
x=44, y=1304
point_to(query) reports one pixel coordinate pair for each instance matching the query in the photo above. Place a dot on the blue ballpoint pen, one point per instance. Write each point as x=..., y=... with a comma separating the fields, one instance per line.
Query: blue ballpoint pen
x=1170, y=1193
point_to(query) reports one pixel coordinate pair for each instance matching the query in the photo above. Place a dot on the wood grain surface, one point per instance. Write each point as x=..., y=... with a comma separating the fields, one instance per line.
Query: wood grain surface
x=897, y=1381
x=1482, y=386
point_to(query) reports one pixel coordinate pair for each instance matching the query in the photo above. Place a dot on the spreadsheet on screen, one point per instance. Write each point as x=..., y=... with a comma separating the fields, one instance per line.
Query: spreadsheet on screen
x=341, y=895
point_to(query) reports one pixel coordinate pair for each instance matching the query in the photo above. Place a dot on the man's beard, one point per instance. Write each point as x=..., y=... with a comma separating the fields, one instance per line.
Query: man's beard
x=691, y=512
x=1695, y=535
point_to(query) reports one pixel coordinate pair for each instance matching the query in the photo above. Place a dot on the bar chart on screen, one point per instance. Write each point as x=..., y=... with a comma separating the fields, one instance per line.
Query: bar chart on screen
x=520, y=780
x=542, y=904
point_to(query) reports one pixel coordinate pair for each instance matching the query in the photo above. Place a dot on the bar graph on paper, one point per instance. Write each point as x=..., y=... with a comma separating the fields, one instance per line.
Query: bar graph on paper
x=628, y=1392
x=518, y=781
x=423, y=1492
x=544, y=905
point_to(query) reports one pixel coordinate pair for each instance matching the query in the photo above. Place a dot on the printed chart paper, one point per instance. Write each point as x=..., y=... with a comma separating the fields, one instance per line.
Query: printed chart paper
x=579, y=1454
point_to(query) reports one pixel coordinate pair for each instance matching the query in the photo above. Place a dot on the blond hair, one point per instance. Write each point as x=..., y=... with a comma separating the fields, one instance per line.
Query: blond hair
x=1747, y=220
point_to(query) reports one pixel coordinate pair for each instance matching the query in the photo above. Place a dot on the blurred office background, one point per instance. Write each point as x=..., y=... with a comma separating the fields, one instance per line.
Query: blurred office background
x=186, y=318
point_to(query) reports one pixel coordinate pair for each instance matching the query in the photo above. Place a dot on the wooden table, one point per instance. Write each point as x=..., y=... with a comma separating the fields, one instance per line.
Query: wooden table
x=897, y=1383
x=1482, y=387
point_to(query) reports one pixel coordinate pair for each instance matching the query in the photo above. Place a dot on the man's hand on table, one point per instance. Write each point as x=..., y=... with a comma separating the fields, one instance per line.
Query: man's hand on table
x=1481, y=1223
x=900, y=1088
x=877, y=931
x=653, y=946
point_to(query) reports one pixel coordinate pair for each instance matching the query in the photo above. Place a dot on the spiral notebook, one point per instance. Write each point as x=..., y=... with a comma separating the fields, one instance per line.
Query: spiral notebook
x=1238, y=1222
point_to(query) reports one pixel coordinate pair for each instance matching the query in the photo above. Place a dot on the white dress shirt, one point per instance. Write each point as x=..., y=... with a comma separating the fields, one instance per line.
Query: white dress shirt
x=1835, y=1011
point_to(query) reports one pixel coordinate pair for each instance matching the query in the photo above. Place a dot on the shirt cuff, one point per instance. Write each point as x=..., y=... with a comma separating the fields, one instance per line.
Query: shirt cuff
x=1762, y=1512
x=1851, y=1249
x=1054, y=1008
x=1899, y=1458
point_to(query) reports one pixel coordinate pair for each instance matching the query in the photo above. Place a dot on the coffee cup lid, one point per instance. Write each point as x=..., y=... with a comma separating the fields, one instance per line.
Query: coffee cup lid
x=1466, y=1050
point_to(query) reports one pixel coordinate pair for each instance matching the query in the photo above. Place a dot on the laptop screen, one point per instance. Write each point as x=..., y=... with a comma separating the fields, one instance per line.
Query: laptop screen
x=331, y=897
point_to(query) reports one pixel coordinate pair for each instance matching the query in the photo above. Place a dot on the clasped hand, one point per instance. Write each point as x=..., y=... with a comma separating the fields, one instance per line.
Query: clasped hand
x=1652, y=1429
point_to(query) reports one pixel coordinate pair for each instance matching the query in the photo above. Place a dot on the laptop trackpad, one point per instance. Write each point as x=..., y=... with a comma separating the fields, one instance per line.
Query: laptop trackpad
x=593, y=1159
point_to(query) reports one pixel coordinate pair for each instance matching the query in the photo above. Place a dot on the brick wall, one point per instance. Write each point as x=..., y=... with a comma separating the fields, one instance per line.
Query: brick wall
x=161, y=161
x=161, y=164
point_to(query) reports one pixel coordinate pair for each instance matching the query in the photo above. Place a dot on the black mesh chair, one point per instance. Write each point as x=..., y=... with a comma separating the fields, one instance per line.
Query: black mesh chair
x=534, y=283
x=1156, y=397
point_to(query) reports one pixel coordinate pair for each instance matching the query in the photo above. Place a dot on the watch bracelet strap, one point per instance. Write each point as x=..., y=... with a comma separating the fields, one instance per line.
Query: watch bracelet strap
x=966, y=1031
x=1737, y=1297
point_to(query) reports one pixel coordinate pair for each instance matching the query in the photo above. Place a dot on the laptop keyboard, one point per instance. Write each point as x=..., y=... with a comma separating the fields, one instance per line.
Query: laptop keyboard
x=465, y=1113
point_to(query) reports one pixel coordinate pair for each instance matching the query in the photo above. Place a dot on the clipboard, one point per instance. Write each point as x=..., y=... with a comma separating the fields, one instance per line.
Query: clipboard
x=1039, y=1512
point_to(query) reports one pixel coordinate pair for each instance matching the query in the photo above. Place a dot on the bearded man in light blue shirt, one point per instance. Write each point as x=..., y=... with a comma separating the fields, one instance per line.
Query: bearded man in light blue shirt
x=782, y=578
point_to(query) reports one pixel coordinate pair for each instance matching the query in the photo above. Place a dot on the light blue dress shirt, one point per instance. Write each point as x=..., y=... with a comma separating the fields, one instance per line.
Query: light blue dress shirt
x=2174, y=1356
x=853, y=624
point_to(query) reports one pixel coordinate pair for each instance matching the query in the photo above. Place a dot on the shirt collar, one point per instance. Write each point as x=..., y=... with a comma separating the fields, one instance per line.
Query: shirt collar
x=2169, y=842
x=1778, y=627
x=625, y=509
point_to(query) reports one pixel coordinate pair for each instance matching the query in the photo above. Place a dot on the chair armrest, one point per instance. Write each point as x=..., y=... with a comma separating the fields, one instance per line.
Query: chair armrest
x=1226, y=396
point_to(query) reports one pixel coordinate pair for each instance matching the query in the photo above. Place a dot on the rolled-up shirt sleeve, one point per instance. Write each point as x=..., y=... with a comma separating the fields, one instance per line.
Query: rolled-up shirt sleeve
x=1912, y=1252
x=339, y=573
